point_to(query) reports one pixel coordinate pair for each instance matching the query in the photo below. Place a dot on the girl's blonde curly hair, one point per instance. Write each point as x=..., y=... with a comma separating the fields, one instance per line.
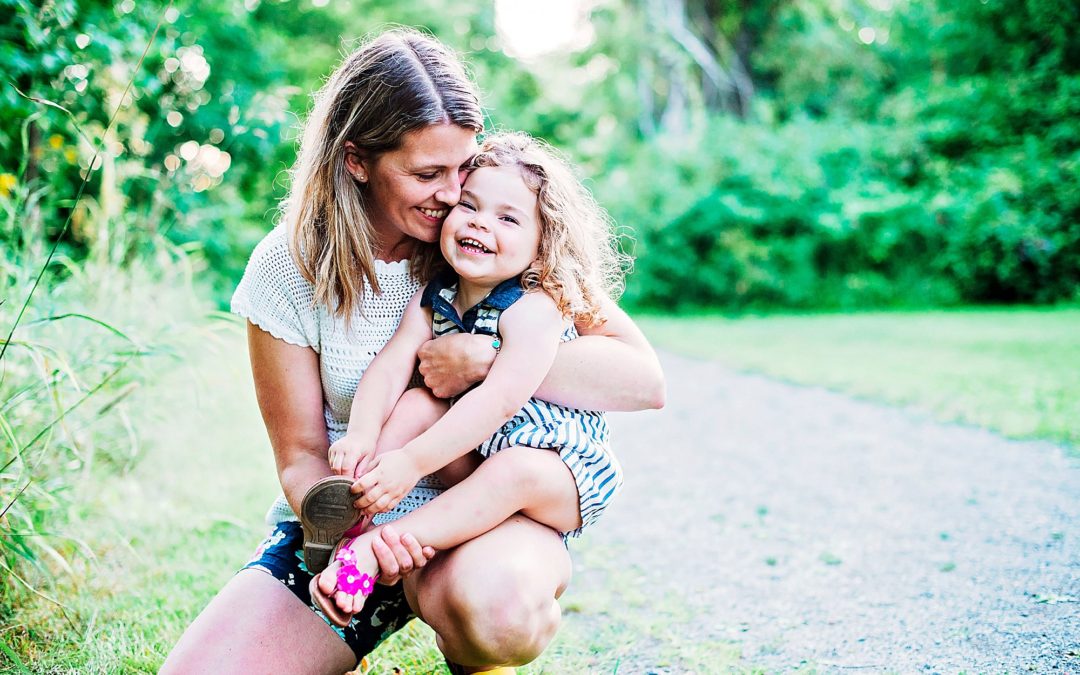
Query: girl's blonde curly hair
x=579, y=261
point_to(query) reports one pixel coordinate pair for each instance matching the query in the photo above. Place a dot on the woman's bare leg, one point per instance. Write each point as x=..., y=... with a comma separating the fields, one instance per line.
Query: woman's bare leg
x=493, y=600
x=256, y=625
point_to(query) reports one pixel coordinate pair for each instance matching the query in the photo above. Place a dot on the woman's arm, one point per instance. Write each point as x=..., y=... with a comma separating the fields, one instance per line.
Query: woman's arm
x=289, y=390
x=610, y=367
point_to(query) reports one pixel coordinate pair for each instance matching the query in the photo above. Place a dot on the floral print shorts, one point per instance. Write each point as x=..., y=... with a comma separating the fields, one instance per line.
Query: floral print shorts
x=281, y=556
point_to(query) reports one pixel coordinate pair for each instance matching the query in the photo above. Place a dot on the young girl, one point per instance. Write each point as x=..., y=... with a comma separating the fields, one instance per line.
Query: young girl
x=531, y=253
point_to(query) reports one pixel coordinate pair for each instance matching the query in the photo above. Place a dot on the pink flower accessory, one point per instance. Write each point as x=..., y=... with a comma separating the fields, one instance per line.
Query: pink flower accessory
x=345, y=554
x=350, y=580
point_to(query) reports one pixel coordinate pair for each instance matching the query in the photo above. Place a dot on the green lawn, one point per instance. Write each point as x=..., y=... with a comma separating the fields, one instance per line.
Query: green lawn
x=1016, y=371
x=157, y=543
x=162, y=538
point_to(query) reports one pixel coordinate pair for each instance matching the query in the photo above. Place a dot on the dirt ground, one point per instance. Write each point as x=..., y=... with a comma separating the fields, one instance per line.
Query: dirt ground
x=774, y=527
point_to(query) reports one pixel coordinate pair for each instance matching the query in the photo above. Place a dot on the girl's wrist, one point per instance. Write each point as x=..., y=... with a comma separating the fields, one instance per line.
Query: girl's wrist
x=418, y=457
x=357, y=435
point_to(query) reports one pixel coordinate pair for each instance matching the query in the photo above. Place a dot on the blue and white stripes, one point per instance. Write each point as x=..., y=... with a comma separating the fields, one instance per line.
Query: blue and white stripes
x=580, y=437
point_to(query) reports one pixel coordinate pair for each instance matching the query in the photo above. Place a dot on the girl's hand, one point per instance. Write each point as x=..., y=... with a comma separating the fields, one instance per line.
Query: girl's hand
x=453, y=363
x=350, y=455
x=389, y=479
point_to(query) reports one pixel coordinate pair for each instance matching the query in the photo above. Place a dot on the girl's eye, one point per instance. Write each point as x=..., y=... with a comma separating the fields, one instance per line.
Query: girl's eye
x=510, y=219
x=466, y=205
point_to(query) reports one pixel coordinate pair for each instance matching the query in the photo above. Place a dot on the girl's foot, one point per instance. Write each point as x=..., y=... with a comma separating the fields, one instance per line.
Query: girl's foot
x=326, y=513
x=340, y=589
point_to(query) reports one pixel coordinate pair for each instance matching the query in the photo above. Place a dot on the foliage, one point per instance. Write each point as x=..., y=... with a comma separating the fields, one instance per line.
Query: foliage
x=916, y=172
x=77, y=356
x=816, y=214
x=164, y=167
x=889, y=152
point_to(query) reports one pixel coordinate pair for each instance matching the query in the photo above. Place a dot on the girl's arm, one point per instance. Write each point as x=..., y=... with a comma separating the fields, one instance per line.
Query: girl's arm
x=530, y=330
x=382, y=384
x=610, y=367
x=289, y=391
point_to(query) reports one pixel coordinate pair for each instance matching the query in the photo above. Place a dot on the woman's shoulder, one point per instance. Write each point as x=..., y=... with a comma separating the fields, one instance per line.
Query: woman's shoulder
x=274, y=250
x=274, y=295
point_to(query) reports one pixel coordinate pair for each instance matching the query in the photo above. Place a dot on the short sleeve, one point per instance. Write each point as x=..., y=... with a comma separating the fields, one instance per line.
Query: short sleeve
x=275, y=296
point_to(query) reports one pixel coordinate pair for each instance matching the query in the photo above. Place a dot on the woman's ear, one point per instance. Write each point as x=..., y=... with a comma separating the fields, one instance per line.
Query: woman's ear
x=355, y=163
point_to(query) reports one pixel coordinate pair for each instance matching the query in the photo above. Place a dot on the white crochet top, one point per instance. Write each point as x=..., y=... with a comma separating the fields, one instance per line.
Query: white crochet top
x=276, y=297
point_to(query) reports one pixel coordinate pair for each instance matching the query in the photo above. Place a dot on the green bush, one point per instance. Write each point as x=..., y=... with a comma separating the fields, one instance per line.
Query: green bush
x=934, y=204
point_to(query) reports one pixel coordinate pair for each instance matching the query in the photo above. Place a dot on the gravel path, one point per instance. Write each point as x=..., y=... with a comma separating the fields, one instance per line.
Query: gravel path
x=772, y=526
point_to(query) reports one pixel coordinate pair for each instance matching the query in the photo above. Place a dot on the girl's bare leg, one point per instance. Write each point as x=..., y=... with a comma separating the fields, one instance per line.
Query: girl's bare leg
x=416, y=410
x=256, y=625
x=533, y=482
x=493, y=600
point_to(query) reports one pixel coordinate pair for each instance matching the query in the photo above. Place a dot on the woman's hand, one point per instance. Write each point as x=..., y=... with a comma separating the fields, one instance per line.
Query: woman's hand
x=453, y=363
x=399, y=555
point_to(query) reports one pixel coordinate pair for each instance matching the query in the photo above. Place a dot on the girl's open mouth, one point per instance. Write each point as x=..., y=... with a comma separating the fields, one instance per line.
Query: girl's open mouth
x=473, y=247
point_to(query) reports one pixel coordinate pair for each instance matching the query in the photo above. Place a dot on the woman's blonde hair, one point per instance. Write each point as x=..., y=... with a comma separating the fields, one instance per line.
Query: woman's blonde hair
x=397, y=82
x=579, y=262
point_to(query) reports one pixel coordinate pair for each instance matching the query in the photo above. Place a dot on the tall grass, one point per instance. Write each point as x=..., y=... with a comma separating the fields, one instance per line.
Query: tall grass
x=91, y=337
x=68, y=362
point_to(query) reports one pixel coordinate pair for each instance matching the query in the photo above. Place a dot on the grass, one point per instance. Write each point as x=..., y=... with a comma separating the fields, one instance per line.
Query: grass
x=158, y=538
x=164, y=536
x=1016, y=371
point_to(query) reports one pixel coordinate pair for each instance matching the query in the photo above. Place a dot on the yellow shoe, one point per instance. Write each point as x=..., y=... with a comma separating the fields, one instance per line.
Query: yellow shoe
x=505, y=670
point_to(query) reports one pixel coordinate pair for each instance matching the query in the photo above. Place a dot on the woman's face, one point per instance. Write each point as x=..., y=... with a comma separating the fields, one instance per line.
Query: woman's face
x=411, y=189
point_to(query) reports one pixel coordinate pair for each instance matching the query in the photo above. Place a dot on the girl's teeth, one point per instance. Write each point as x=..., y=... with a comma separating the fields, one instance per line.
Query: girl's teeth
x=473, y=244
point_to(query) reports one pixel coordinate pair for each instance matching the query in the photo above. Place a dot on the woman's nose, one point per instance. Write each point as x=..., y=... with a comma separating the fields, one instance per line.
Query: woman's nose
x=450, y=191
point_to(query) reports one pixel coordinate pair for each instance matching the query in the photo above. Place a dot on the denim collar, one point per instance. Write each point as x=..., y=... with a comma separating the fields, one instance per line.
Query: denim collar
x=441, y=291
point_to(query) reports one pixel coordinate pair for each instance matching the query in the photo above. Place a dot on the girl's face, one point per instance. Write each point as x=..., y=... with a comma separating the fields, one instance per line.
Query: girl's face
x=410, y=190
x=493, y=234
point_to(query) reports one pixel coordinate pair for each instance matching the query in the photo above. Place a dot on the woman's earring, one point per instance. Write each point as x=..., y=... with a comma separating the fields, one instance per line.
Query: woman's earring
x=362, y=177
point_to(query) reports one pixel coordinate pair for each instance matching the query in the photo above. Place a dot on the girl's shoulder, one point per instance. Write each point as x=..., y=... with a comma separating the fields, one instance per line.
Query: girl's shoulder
x=534, y=306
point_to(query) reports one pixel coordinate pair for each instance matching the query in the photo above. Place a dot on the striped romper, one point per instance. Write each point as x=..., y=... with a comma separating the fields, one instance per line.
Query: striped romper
x=579, y=436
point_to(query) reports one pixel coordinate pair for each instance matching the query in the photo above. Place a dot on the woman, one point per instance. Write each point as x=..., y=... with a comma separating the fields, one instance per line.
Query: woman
x=379, y=167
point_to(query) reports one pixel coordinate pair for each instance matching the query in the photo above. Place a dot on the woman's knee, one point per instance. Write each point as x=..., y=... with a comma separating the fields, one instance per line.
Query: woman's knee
x=499, y=617
x=493, y=608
